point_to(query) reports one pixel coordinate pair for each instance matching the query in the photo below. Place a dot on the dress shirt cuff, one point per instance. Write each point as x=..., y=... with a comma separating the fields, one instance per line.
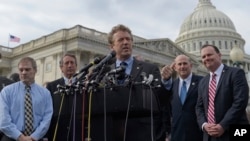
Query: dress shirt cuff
x=202, y=127
x=167, y=83
x=17, y=135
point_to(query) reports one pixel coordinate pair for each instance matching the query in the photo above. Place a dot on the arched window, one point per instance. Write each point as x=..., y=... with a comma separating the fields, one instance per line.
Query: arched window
x=219, y=44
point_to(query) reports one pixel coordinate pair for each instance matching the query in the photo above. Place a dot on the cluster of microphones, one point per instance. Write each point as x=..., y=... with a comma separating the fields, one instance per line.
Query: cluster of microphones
x=86, y=79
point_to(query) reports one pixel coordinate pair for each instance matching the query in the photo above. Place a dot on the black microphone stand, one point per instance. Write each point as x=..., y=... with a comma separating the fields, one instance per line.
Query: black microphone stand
x=93, y=83
x=74, y=89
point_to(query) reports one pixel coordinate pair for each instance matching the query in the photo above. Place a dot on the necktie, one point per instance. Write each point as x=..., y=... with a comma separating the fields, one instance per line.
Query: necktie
x=122, y=75
x=70, y=81
x=183, y=94
x=28, y=115
x=211, y=96
x=123, y=64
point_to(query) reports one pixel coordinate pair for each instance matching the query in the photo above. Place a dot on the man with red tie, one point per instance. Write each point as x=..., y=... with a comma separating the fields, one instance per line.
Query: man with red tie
x=222, y=96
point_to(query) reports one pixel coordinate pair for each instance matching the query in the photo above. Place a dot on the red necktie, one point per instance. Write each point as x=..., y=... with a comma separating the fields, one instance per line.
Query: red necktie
x=70, y=81
x=211, y=96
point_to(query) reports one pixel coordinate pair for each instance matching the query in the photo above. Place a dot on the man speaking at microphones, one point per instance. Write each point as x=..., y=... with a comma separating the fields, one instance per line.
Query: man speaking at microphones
x=144, y=127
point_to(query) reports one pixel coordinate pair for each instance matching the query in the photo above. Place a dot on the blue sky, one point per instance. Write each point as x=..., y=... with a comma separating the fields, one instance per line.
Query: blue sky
x=31, y=19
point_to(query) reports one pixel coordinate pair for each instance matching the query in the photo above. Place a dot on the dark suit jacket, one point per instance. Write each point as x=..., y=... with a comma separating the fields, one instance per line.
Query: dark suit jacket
x=139, y=126
x=184, y=121
x=4, y=82
x=65, y=128
x=230, y=102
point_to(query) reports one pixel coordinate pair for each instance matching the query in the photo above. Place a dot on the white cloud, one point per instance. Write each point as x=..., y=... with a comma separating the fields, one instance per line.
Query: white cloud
x=29, y=19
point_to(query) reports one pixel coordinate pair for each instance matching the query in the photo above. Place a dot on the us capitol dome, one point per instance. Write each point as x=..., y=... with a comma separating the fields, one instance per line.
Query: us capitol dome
x=207, y=25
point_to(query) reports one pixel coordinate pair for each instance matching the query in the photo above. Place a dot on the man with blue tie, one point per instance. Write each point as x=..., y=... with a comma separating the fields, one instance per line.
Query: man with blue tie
x=184, y=93
x=140, y=125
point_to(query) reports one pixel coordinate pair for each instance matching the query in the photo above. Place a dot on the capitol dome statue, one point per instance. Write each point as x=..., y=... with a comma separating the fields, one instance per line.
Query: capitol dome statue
x=207, y=25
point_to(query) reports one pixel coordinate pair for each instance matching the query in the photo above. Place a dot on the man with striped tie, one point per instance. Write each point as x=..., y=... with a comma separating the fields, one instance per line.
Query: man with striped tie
x=222, y=96
x=25, y=107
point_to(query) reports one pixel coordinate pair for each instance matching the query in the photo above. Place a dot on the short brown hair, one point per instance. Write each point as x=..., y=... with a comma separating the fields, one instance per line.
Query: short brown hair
x=29, y=59
x=213, y=46
x=67, y=54
x=117, y=28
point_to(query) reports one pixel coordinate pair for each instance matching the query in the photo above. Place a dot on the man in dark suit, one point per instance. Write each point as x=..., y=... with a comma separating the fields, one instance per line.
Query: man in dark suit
x=4, y=82
x=184, y=122
x=14, y=77
x=139, y=126
x=223, y=96
x=64, y=127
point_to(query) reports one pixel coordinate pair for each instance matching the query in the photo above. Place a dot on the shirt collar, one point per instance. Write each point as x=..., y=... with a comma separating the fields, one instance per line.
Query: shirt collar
x=218, y=71
x=128, y=61
x=66, y=80
x=24, y=85
x=188, y=79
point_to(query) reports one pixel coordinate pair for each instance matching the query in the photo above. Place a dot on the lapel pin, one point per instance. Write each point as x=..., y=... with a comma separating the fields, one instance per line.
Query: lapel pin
x=193, y=83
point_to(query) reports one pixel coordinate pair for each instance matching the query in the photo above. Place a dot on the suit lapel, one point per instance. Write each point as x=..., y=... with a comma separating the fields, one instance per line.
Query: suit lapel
x=176, y=87
x=205, y=87
x=193, y=84
x=136, y=69
x=62, y=81
x=222, y=77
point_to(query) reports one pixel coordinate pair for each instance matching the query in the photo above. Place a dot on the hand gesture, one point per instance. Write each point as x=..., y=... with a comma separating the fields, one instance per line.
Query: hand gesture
x=167, y=71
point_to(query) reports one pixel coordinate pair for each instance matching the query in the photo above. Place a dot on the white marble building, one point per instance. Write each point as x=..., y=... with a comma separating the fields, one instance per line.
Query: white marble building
x=204, y=25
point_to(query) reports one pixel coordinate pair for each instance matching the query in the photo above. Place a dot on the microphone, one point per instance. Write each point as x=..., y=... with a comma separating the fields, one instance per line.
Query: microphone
x=84, y=69
x=105, y=60
x=117, y=70
x=147, y=80
x=144, y=77
x=64, y=87
x=150, y=79
x=97, y=76
x=60, y=86
x=60, y=89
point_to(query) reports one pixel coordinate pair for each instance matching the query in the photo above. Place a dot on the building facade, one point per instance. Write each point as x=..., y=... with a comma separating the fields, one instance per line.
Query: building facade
x=86, y=44
x=204, y=25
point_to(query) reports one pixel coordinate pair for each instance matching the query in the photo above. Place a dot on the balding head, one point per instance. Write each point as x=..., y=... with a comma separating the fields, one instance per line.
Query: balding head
x=182, y=56
x=183, y=66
